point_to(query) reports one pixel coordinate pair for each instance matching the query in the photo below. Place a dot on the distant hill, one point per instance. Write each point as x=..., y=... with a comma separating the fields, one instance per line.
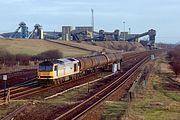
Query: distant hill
x=6, y=35
x=163, y=45
x=178, y=43
x=47, y=35
x=1, y=36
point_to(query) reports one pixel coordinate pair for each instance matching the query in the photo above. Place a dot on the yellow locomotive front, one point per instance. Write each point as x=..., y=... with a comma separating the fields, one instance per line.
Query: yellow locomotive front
x=58, y=70
x=46, y=71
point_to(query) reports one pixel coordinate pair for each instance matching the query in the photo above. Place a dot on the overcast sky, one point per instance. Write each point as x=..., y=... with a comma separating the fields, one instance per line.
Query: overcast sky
x=139, y=15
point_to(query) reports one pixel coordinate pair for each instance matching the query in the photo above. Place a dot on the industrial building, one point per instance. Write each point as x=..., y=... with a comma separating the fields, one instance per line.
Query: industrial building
x=80, y=33
x=84, y=28
x=66, y=32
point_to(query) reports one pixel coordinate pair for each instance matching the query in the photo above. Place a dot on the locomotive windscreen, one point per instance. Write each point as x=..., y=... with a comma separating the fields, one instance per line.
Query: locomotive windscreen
x=46, y=66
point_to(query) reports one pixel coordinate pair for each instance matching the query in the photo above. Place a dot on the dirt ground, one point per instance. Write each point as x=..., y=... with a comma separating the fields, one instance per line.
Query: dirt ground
x=41, y=111
x=178, y=79
x=165, y=68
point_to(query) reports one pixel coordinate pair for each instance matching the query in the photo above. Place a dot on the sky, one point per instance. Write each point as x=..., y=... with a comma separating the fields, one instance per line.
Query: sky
x=139, y=15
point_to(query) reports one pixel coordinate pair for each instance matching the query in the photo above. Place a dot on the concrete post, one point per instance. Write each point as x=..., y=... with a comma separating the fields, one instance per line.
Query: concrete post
x=119, y=66
x=114, y=68
x=152, y=57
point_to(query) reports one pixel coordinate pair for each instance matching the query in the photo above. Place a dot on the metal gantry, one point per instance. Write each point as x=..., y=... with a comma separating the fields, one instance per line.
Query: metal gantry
x=23, y=33
x=151, y=33
x=37, y=32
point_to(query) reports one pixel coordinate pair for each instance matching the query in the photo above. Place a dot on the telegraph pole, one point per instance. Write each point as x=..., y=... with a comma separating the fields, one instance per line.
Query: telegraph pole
x=129, y=30
x=124, y=30
x=92, y=22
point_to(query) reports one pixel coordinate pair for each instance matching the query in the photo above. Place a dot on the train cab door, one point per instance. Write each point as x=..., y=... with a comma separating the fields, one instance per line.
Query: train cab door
x=56, y=70
x=75, y=67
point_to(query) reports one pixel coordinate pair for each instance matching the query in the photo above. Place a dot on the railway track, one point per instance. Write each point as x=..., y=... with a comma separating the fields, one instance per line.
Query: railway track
x=19, y=73
x=89, y=103
x=84, y=108
x=25, y=90
x=69, y=84
x=31, y=87
x=30, y=82
x=17, y=77
x=19, y=88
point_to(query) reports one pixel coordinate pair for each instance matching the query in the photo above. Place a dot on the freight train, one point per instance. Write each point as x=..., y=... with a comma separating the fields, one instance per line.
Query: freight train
x=64, y=69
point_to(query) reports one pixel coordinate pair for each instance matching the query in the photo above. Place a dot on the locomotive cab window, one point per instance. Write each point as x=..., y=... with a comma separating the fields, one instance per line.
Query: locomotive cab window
x=45, y=68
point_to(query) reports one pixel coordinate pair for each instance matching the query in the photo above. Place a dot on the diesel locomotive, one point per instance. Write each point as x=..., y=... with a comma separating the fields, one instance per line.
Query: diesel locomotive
x=64, y=69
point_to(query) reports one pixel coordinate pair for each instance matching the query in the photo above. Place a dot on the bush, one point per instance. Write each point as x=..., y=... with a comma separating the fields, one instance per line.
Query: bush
x=23, y=59
x=175, y=66
x=7, y=58
x=174, y=56
x=51, y=54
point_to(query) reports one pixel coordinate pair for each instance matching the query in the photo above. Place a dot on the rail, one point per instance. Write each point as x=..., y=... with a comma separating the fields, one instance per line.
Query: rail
x=83, y=107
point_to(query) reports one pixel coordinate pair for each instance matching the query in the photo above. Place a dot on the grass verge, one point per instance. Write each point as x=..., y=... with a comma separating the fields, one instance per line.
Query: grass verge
x=7, y=109
x=159, y=101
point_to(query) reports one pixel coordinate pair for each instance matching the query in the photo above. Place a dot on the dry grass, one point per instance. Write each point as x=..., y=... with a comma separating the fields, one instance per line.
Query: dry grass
x=85, y=45
x=114, y=110
x=7, y=109
x=34, y=47
x=110, y=46
x=119, y=45
x=70, y=48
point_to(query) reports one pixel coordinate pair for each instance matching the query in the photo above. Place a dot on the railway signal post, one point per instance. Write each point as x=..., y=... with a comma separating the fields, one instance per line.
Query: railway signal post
x=5, y=79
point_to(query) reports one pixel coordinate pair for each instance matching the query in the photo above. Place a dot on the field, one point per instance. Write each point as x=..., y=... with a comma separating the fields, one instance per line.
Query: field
x=68, y=48
x=158, y=100
x=33, y=47
x=161, y=99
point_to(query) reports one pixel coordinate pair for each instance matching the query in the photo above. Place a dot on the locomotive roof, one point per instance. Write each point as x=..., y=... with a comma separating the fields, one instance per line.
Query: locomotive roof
x=67, y=60
x=46, y=63
x=60, y=61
